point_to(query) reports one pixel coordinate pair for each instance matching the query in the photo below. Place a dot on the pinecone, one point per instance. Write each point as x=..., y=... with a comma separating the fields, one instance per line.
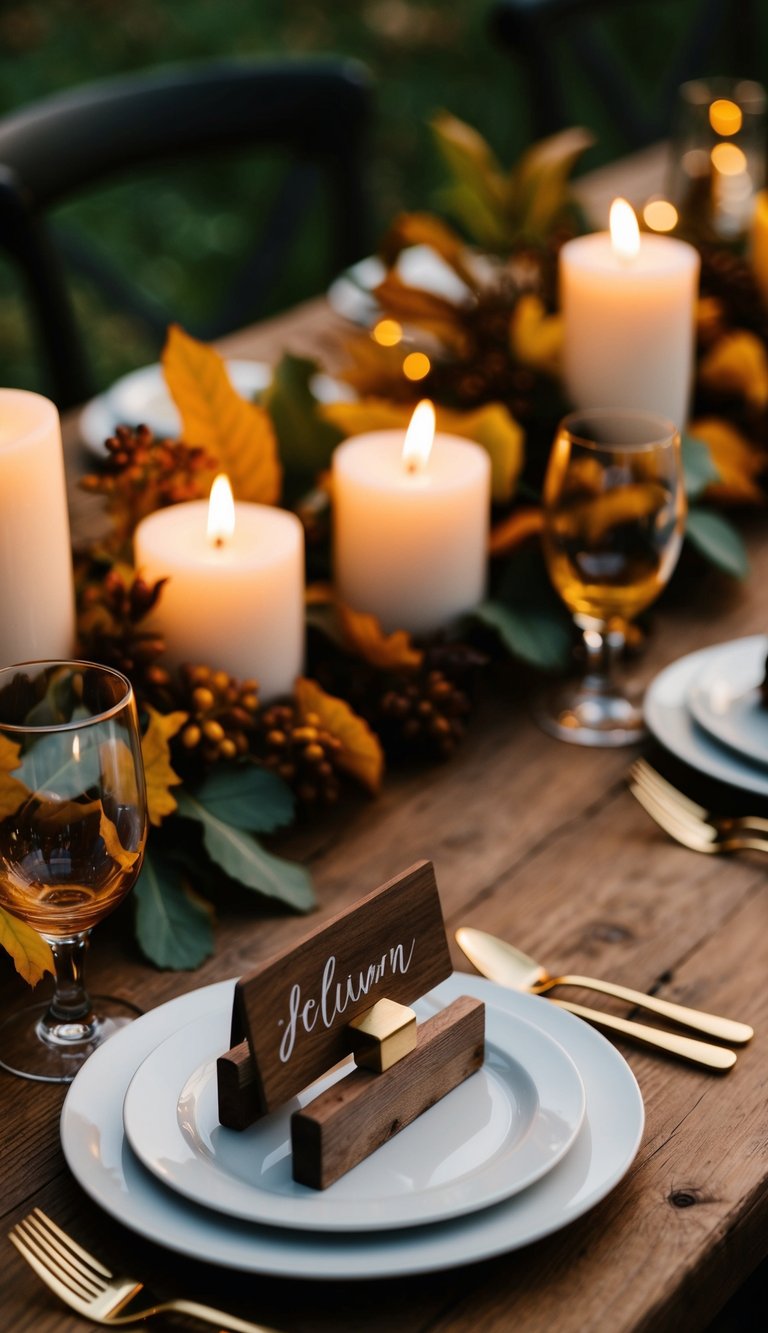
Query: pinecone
x=301, y=752
x=109, y=614
x=422, y=712
x=223, y=717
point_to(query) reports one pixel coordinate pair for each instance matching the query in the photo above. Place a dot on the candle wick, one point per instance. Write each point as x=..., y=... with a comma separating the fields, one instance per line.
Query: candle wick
x=412, y=466
x=218, y=543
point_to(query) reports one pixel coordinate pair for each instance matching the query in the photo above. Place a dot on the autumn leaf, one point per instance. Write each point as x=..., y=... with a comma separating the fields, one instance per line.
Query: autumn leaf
x=491, y=426
x=409, y=229
x=738, y=364
x=389, y=652
x=536, y=338
x=12, y=792
x=738, y=461
x=361, y=755
x=511, y=532
x=159, y=775
x=30, y=953
x=215, y=417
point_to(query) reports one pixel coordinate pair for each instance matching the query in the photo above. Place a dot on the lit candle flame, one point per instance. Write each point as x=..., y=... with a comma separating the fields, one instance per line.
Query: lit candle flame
x=419, y=437
x=221, y=511
x=625, y=233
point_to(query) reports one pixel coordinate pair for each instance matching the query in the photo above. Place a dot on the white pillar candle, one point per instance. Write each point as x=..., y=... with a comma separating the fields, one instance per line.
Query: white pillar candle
x=628, y=311
x=234, y=599
x=37, y=603
x=411, y=534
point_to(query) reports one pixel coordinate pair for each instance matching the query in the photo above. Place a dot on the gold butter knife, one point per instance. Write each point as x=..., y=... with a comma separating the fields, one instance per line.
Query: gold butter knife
x=501, y=962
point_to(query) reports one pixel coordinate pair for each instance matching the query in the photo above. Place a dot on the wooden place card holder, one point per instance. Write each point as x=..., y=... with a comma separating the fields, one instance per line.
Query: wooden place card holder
x=345, y=989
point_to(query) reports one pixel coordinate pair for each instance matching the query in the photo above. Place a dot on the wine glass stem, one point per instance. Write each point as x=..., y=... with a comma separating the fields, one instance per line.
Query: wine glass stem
x=602, y=646
x=70, y=1004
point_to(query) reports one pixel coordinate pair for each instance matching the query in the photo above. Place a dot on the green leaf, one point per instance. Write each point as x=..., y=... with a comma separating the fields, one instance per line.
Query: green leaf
x=699, y=467
x=539, y=182
x=716, y=539
x=243, y=859
x=172, y=926
x=536, y=635
x=248, y=797
x=306, y=440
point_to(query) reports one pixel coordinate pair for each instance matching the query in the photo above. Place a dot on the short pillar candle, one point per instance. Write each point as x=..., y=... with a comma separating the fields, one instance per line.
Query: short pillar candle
x=410, y=524
x=627, y=302
x=234, y=599
x=36, y=581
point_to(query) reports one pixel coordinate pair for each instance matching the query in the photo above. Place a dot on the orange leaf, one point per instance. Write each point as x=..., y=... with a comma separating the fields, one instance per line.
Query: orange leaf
x=215, y=417
x=157, y=762
x=514, y=530
x=738, y=364
x=536, y=338
x=738, y=461
x=360, y=755
x=30, y=953
x=12, y=792
x=366, y=637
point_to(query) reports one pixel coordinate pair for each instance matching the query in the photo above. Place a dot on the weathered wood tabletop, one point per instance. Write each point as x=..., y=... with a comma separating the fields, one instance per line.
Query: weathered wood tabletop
x=542, y=843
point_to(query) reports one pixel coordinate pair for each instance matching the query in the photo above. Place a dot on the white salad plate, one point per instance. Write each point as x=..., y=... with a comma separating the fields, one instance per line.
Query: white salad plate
x=724, y=697
x=669, y=718
x=491, y=1137
x=100, y=1158
x=142, y=397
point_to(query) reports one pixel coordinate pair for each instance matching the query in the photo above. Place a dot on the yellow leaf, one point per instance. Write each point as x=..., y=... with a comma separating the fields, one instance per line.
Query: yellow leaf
x=214, y=416
x=115, y=848
x=360, y=754
x=157, y=762
x=30, y=953
x=514, y=530
x=590, y=520
x=737, y=460
x=491, y=426
x=366, y=637
x=12, y=792
x=738, y=364
x=536, y=338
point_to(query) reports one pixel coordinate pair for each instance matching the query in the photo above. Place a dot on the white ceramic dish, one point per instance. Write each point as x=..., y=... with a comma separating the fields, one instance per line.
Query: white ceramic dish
x=100, y=1158
x=725, y=700
x=488, y=1139
x=668, y=717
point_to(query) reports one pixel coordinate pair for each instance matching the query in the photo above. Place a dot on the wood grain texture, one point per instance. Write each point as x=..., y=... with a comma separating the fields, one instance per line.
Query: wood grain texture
x=364, y=1110
x=295, y=1008
x=540, y=842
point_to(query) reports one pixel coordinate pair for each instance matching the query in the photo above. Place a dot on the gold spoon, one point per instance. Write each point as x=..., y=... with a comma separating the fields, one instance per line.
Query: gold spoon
x=503, y=963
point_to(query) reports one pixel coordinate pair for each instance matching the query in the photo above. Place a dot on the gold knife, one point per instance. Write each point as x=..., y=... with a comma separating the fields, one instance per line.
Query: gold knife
x=492, y=963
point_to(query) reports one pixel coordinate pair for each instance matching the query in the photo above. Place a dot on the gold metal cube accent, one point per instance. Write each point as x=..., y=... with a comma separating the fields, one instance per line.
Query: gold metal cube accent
x=382, y=1035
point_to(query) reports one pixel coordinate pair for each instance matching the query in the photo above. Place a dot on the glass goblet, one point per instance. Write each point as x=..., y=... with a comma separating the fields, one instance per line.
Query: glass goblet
x=614, y=518
x=73, y=824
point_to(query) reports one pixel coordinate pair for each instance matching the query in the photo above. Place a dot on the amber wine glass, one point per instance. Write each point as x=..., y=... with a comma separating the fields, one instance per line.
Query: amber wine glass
x=73, y=824
x=614, y=518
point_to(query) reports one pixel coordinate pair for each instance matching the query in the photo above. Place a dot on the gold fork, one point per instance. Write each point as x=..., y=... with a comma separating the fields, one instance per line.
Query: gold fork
x=647, y=776
x=698, y=834
x=83, y=1283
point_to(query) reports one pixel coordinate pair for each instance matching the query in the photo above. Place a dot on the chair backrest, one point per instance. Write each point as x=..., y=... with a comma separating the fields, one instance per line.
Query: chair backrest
x=315, y=113
x=559, y=42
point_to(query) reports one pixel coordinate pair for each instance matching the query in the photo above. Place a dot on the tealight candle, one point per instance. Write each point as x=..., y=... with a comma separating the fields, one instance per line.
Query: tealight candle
x=628, y=311
x=410, y=519
x=37, y=617
x=234, y=599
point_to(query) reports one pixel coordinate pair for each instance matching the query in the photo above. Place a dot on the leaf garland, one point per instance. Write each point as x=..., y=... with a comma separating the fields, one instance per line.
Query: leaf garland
x=361, y=754
x=159, y=774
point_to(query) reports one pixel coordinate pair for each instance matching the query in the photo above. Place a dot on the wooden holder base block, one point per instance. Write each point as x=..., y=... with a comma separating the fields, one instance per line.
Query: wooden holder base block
x=362, y=1111
x=239, y=1100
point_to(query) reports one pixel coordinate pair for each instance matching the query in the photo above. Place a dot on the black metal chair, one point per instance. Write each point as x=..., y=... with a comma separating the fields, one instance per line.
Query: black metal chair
x=562, y=44
x=315, y=113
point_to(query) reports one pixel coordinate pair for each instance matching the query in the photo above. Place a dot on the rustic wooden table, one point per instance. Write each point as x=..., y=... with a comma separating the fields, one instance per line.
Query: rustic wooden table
x=542, y=843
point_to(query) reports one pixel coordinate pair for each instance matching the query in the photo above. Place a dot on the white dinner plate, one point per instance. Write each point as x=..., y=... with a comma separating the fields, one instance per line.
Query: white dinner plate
x=725, y=698
x=142, y=396
x=669, y=718
x=491, y=1137
x=101, y=1159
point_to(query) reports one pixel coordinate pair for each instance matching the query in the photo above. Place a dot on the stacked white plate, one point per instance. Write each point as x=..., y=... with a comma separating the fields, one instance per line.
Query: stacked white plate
x=707, y=709
x=540, y=1134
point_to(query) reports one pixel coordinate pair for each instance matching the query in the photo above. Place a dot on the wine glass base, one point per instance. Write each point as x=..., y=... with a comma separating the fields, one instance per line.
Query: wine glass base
x=25, y=1052
x=580, y=716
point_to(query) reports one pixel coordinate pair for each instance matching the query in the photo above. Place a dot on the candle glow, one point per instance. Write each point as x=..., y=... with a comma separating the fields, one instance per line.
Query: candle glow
x=221, y=511
x=419, y=437
x=625, y=233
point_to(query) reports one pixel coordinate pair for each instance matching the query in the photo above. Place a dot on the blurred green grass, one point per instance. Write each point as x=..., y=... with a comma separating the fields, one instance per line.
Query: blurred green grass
x=182, y=239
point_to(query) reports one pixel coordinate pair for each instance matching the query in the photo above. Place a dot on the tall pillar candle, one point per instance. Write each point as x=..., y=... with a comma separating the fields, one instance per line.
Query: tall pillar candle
x=37, y=603
x=411, y=530
x=234, y=599
x=628, y=311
